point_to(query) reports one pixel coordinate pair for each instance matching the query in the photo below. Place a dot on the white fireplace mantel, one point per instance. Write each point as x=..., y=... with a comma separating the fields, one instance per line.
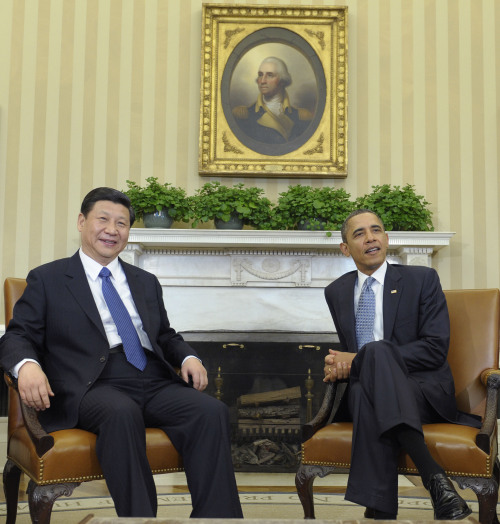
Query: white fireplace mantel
x=217, y=238
x=249, y=280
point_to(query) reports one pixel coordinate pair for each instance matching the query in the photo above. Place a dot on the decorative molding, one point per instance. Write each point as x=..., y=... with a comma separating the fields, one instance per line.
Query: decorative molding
x=219, y=238
x=278, y=270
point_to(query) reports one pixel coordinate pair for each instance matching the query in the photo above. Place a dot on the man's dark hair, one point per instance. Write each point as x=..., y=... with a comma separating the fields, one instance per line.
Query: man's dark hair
x=343, y=230
x=106, y=193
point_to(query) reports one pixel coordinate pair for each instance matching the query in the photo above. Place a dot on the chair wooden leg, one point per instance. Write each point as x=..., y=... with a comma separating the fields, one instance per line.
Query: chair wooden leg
x=486, y=490
x=11, y=479
x=304, y=480
x=42, y=498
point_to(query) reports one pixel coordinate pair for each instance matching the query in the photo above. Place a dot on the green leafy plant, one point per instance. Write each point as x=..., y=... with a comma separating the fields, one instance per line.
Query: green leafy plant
x=155, y=196
x=215, y=200
x=401, y=209
x=306, y=207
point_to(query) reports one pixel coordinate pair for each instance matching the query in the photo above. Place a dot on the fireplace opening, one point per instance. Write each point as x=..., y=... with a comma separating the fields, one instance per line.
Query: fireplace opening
x=272, y=383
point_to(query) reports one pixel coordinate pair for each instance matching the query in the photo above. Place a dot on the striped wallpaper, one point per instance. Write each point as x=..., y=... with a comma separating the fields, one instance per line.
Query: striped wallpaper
x=94, y=92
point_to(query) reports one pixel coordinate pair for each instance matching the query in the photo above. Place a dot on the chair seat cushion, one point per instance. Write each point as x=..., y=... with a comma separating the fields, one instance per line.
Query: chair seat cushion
x=73, y=457
x=452, y=446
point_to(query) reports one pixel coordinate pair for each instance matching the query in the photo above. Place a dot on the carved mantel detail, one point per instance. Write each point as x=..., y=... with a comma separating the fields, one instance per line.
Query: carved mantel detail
x=277, y=269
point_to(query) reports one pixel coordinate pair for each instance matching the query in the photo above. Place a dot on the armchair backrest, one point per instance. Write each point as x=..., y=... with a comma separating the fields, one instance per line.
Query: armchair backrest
x=13, y=289
x=474, y=343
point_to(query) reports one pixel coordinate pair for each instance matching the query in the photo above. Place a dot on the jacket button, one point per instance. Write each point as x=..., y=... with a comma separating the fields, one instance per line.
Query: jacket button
x=89, y=383
x=102, y=359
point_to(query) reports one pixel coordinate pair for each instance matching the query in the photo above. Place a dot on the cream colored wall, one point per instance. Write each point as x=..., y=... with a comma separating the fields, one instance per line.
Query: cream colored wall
x=94, y=92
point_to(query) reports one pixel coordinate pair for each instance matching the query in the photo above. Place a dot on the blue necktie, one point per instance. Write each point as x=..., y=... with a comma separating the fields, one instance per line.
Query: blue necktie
x=134, y=352
x=365, y=314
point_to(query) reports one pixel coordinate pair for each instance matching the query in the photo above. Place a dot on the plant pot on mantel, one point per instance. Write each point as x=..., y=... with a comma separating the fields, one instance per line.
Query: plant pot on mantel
x=237, y=205
x=158, y=219
x=159, y=205
x=313, y=224
x=235, y=222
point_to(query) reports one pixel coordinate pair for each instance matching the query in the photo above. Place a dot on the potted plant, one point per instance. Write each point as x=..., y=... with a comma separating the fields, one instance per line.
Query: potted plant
x=400, y=209
x=158, y=204
x=231, y=207
x=313, y=208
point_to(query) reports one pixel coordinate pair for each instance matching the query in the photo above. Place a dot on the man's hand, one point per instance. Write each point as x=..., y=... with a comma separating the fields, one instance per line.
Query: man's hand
x=34, y=386
x=194, y=368
x=337, y=365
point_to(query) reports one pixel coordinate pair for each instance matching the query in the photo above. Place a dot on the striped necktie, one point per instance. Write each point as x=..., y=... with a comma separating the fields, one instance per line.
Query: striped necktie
x=134, y=352
x=365, y=314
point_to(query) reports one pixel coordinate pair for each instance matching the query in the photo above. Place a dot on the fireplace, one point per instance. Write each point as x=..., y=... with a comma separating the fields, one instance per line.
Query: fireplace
x=272, y=384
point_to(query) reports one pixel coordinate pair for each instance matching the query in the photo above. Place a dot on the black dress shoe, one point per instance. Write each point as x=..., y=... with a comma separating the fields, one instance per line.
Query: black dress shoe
x=371, y=513
x=447, y=503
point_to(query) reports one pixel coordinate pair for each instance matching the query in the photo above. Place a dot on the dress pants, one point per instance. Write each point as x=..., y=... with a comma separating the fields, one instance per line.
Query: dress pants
x=381, y=396
x=118, y=408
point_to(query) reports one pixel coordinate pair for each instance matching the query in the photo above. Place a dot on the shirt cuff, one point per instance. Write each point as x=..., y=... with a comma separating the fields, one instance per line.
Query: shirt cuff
x=188, y=357
x=15, y=370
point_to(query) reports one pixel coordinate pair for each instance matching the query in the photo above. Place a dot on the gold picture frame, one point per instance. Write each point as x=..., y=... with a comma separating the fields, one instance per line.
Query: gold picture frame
x=307, y=135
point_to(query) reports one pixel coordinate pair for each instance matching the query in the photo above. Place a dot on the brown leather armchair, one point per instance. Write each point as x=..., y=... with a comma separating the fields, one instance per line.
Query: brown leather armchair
x=58, y=462
x=468, y=455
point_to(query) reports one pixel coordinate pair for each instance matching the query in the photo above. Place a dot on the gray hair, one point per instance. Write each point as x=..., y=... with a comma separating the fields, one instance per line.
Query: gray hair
x=281, y=70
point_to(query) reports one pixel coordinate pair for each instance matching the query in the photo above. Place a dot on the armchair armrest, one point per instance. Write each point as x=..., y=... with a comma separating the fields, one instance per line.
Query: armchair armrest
x=40, y=438
x=491, y=379
x=321, y=418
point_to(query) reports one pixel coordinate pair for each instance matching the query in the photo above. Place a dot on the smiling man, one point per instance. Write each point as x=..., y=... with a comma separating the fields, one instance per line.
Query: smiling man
x=91, y=346
x=393, y=326
x=272, y=119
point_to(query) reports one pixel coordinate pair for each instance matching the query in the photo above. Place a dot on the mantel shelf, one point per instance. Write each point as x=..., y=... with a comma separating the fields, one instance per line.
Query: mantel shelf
x=213, y=238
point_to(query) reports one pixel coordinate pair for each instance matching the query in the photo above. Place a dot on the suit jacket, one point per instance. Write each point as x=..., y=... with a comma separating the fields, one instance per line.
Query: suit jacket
x=57, y=323
x=416, y=321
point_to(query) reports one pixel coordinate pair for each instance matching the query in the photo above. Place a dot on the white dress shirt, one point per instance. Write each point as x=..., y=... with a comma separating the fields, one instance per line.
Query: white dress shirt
x=378, y=291
x=119, y=280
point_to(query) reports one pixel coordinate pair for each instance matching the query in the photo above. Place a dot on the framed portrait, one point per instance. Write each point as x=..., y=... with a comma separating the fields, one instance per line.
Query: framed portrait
x=273, y=91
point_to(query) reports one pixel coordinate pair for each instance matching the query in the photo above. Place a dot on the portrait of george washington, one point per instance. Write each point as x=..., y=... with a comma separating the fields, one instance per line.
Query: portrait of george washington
x=273, y=92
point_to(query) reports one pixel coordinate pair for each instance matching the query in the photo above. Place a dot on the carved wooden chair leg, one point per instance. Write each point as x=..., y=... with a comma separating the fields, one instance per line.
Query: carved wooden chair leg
x=42, y=498
x=486, y=490
x=304, y=480
x=496, y=476
x=11, y=480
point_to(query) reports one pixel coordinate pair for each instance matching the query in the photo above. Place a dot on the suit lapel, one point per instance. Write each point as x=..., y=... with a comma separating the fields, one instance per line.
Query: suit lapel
x=137, y=290
x=346, y=310
x=77, y=283
x=393, y=287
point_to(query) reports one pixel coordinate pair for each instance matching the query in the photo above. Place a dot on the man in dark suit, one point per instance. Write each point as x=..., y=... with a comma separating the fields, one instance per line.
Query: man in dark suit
x=82, y=364
x=393, y=326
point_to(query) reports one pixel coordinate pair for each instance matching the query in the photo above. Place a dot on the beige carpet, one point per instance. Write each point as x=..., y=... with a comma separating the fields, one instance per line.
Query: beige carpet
x=255, y=506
